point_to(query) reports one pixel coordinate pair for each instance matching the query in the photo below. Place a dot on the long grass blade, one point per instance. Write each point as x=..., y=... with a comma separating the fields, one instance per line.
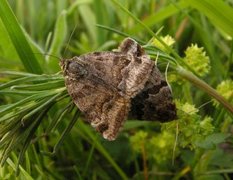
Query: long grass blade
x=29, y=137
x=66, y=131
x=18, y=39
x=219, y=13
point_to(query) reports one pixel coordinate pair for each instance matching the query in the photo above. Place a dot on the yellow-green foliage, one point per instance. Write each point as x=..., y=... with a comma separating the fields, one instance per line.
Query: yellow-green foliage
x=225, y=88
x=168, y=40
x=191, y=126
x=196, y=58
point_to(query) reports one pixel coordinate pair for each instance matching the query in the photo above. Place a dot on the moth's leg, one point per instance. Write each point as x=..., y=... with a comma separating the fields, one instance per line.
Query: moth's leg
x=116, y=115
x=135, y=75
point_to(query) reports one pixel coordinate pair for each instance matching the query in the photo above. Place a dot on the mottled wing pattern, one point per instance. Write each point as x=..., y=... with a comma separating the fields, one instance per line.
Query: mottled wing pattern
x=136, y=74
x=107, y=65
x=102, y=107
x=155, y=101
x=103, y=84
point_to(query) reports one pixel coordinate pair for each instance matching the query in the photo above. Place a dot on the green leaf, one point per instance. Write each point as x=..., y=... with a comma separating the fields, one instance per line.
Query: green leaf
x=8, y=54
x=29, y=137
x=67, y=130
x=159, y=16
x=24, y=173
x=212, y=140
x=218, y=12
x=59, y=37
x=18, y=39
x=102, y=150
x=89, y=20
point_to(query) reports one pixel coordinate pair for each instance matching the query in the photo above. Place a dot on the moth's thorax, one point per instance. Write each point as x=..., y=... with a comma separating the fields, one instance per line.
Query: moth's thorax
x=74, y=68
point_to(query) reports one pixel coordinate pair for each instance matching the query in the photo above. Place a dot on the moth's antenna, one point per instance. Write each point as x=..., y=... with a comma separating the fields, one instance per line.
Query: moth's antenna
x=72, y=33
x=46, y=54
x=166, y=77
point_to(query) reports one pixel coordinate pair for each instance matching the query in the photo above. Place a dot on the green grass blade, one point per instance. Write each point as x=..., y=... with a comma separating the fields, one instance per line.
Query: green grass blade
x=16, y=73
x=59, y=37
x=16, y=81
x=41, y=107
x=118, y=32
x=13, y=92
x=18, y=111
x=73, y=7
x=15, y=140
x=10, y=107
x=89, y=21
x=219, y=13
x=7, y=138
x=102, y=150
x=41, y=86
x=67, y=130
x=29, y=138
x=151, y=32
x=18, y=39
x=24, y=173
x=159, y=16
x=32, y=78
x=59, y=117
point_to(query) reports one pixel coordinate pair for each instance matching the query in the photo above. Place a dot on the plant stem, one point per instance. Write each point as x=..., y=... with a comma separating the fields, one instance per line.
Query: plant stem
x=204, y=86
x=145, y=168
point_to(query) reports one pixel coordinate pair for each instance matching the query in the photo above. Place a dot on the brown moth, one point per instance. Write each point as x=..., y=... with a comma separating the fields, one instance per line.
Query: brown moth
x=110, y=86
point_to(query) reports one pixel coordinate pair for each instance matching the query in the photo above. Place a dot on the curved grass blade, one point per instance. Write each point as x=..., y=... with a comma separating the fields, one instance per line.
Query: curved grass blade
x=118, y=32
x=58, y=40
x=16, y=73
x=18, y=92
x=10, y=107
x=10, y=134
x=59, y=117
x=24, y=173
x=33, y=78
x=41, y=86
x=66, y=131
x=219, y=13
x=18, y=39
x=29, y=138
x=15, y=81
x=161, y=15
x=102, y=150
x=18, y=111
x=42, y=106
x=16, y=139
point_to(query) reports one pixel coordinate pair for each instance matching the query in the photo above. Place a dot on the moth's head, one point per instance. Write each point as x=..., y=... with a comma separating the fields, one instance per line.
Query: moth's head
x=74, y=68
